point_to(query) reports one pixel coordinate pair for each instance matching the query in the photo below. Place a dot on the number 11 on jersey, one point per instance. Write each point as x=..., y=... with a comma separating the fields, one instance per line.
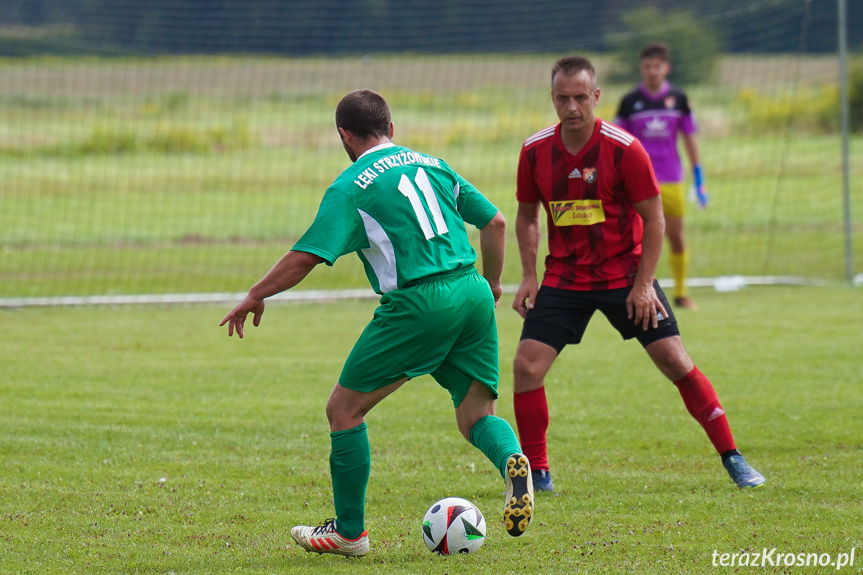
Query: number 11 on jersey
x=409, y=191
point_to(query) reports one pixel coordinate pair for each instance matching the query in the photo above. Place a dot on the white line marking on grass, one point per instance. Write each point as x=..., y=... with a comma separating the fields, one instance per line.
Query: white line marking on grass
x=312, y=296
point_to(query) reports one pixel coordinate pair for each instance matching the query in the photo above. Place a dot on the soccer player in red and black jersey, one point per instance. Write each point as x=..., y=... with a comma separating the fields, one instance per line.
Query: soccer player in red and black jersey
x=605, y=231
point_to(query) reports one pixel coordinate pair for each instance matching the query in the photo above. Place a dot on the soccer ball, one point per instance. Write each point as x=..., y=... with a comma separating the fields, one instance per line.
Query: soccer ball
x=453, y=525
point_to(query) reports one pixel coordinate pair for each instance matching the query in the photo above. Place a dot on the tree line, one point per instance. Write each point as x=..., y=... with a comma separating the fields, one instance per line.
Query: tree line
x=309, y=27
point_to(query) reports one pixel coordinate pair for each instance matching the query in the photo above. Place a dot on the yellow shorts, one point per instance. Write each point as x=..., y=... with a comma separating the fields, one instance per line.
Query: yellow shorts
x=673, y=200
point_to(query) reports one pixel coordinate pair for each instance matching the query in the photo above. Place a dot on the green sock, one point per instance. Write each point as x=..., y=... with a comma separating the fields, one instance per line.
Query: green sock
x=496, y=439
x=350, y=463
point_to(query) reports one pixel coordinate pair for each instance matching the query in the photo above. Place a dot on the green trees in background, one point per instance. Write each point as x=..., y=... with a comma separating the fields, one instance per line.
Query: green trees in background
x=695, y=45
x=307, y=27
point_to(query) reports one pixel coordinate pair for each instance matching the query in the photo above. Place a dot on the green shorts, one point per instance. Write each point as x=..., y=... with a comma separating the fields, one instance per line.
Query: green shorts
x=443, y=325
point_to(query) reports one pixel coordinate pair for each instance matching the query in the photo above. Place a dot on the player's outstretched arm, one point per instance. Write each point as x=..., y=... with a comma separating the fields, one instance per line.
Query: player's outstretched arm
x=492, y=245
x=288, y=272
x=527, y=230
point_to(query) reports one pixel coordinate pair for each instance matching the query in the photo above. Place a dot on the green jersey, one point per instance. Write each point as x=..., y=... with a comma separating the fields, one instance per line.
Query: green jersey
x=404, y=215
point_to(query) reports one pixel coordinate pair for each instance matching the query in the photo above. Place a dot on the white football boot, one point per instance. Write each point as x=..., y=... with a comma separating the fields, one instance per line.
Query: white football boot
x=325, y=539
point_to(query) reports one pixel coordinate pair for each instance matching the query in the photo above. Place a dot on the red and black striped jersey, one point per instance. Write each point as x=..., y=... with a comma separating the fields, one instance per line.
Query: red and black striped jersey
x=594, y=232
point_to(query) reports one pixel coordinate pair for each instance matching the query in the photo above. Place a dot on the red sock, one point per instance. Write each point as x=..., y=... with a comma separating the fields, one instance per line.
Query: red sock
x=531, y=418
x=700, y=400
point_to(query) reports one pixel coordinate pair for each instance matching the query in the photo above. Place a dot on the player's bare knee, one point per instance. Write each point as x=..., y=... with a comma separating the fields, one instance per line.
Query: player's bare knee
x=342, y=417
x=332, y=413
x=670, y=357
x=527, y=370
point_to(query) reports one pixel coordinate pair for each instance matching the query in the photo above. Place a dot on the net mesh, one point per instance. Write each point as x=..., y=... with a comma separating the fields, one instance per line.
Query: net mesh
x=183, y=146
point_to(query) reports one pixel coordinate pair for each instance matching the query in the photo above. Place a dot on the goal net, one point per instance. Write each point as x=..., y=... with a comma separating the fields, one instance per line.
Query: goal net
x=182, y=147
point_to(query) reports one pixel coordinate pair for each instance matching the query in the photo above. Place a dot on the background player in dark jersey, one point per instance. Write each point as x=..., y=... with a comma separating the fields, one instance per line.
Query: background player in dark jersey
x=655, y=112
x=403, y=213
x=605, y=232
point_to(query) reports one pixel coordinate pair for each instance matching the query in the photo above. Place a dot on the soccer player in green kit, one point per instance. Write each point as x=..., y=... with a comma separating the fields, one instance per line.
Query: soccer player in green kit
x=404, y=215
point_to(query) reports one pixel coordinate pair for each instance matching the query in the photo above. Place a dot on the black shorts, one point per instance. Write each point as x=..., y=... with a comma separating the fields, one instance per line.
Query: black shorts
x=560, y=316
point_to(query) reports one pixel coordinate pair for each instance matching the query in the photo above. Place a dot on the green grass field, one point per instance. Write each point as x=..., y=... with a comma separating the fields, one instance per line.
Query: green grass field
x=144, y=440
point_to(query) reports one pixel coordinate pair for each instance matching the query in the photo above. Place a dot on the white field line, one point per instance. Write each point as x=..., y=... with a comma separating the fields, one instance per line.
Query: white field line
x=722, y=283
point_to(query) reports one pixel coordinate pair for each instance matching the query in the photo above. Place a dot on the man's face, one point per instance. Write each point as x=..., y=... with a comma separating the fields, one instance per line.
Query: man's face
x=654, y=71
x=574, y=98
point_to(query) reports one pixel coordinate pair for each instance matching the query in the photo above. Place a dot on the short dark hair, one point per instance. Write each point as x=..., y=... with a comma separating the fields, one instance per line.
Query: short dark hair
x=364, y=113
x=571, y=65
x=656, y=50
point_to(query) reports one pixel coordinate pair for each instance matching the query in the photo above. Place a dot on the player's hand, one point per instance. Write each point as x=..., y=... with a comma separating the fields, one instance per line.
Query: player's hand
x=700, y=188
x=701, y=197
x=644, y=307
x=525, y=296
x=496, y=291
x=236, y=320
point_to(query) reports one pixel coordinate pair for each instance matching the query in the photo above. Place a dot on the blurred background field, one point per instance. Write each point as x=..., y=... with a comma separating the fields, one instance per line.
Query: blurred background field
x=192, y=174
x=132, y=163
